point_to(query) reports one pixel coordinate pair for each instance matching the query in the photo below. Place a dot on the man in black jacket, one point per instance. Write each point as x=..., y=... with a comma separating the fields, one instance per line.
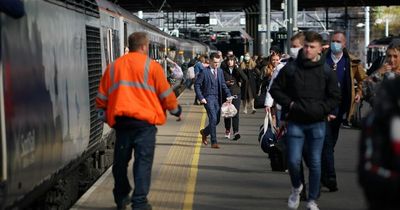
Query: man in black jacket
x=233, y=76
x=308, y=93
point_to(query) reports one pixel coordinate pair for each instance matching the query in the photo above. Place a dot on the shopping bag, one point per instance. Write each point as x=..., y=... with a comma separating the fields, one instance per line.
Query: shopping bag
x=228, y=110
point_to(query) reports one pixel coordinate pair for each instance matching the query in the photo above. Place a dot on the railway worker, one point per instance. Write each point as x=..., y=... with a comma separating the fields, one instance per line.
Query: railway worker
x=210, y=87
x=348, y=68
x=309, y=93
x=134, y=95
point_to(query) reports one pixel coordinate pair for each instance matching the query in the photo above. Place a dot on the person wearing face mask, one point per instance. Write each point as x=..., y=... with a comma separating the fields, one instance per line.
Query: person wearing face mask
x=348, y=68
x=296, y=43
x=249, y=87
x=307, y=91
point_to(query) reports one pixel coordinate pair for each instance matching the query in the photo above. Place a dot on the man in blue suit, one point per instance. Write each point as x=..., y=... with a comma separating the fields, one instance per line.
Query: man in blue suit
x=210, y=89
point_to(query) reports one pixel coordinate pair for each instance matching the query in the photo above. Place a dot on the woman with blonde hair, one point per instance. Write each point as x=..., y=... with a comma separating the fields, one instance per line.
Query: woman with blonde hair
x=249, y=87
x=389, y=70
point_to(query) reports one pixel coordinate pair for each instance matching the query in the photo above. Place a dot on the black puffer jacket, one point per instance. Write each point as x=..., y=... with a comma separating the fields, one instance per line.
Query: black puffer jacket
x=314, y=93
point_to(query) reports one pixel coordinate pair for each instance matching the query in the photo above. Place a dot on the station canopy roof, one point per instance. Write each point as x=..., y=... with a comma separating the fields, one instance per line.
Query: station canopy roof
x=238, y=5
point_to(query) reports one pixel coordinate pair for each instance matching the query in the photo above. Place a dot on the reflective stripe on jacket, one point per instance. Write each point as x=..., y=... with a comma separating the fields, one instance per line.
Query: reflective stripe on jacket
x=135, y=86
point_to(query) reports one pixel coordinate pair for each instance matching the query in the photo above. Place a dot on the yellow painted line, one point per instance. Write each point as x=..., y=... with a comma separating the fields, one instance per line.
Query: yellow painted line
x=191, y=183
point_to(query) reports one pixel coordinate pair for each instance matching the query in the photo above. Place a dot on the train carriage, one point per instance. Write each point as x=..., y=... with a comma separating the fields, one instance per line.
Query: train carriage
x=52, y=143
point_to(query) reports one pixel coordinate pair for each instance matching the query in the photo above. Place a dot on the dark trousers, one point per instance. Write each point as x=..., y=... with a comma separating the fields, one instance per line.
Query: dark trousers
x=142, y=140
x=234, y=121
x=213, y=112
x=328, y=173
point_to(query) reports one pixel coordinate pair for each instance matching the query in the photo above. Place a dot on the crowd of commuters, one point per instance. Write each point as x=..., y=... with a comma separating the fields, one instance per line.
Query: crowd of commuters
x=311, y=92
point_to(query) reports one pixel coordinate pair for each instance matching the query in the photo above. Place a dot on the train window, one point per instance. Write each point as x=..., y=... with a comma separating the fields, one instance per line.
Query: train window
x=125, y=34
x=151, y=50
x=115, y=44
x=111, y=46
x=108, y=47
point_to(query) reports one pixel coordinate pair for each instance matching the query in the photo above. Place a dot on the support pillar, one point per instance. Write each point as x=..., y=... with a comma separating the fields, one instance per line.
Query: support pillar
x=262, y=40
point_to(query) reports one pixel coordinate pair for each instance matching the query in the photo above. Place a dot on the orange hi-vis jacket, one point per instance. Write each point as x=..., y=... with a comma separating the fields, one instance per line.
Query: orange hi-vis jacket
x=135, y=86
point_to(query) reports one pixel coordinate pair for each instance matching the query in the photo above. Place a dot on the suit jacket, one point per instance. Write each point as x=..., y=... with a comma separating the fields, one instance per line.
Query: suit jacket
x=205, y=79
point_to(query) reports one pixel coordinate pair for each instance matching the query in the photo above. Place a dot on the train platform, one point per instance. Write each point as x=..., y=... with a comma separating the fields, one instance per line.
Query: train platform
x=188, y=175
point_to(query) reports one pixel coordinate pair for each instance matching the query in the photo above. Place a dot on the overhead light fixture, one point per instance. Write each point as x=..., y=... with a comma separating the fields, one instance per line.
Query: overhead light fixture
x=360, y=25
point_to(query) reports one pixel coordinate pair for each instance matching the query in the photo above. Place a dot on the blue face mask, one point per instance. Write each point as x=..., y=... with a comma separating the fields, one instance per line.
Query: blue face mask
x=336, y=47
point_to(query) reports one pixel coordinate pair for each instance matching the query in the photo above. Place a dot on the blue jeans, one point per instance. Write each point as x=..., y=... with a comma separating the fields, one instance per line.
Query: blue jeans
x=313, y=136
x=328, y=158
x=142, y=140
x=214, y=114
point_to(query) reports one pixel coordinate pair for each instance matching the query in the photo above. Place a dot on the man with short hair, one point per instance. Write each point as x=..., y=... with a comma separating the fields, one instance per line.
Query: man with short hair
x=308, y=93
x=210, y=89
x=347, y=68
x=131, y=79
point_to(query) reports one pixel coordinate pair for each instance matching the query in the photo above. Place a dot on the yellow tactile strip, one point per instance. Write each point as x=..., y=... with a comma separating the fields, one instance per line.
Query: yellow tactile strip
x=175, y=185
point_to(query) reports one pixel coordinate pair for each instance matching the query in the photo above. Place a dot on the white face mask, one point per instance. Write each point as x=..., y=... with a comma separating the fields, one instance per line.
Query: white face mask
x=246, y=58
x=294, y=52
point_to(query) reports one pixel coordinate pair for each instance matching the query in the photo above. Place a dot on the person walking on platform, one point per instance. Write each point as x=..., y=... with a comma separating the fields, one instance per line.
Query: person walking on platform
x=308, y=93
x=210, y=88
x=296, y=43
x=249, y=88
x=203, y=63
x=348, y=68
x=132, y=98
x=233, y=77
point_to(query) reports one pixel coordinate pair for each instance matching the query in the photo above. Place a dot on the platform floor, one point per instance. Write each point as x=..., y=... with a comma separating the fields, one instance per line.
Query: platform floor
x=188, y=175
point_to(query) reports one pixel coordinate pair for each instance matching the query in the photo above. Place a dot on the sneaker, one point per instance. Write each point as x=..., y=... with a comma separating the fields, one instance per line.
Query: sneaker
x=236, y=136
x=294, y=198
x=245, y=111
x=311, y=205
x=254, y=111
x=346, y=124
x=227, y=134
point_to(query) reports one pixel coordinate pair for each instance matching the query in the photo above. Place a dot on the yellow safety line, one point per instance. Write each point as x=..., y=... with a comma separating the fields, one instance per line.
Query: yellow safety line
x=191, y=184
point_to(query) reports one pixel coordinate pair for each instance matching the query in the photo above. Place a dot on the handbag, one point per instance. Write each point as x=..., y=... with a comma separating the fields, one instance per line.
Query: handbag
x=268, y=136
x=177, y=72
